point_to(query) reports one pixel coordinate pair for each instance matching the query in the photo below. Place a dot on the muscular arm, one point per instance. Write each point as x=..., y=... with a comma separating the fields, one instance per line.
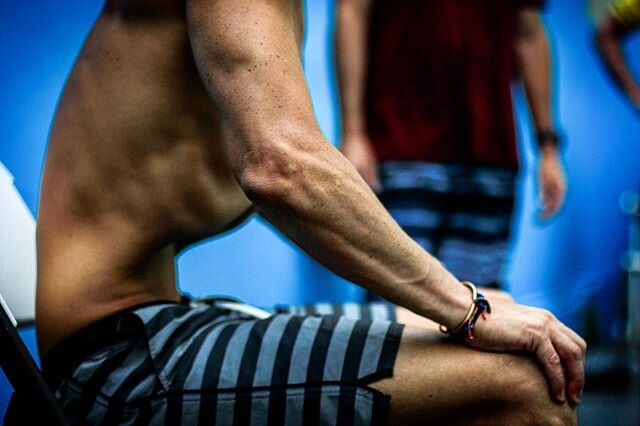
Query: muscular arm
x=248, y=58
x=608, y=40
x=532, y=50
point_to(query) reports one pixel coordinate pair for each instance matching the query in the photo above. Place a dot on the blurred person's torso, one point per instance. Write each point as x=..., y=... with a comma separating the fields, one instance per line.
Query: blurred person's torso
x=439, y=75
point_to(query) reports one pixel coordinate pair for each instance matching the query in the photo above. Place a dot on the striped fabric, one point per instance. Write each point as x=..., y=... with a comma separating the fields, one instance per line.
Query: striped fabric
x=460, y=214
x=200, y=364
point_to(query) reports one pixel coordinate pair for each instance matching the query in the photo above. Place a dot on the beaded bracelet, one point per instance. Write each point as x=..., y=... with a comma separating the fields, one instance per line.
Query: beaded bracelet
x=479, y=307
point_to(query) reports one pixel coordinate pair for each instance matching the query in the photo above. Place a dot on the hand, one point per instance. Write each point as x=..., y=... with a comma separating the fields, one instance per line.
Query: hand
x=560, y=351
x=551, y=181
x=359, y=151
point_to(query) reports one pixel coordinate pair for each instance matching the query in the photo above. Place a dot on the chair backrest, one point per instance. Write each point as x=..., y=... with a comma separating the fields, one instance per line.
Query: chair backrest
x=33, y=398
x=33, y=402
x=17, y=251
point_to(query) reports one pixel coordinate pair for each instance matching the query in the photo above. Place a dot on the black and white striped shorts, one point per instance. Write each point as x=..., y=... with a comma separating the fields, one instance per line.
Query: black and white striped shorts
x=205, y=364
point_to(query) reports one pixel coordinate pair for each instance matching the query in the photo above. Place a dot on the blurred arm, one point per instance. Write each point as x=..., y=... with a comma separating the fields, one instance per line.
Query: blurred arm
x=613, y=28
x=532, y=50
x=352, y=29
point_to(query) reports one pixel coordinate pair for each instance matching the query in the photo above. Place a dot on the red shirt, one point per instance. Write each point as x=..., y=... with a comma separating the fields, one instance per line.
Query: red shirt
x=438, y=80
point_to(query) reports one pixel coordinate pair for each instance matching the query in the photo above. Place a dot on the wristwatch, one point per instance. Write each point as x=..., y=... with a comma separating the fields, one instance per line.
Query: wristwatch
x=547, y=137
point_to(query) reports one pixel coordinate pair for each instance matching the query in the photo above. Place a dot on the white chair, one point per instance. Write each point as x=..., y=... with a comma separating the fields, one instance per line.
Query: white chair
x=32, y=402
x=17, y=251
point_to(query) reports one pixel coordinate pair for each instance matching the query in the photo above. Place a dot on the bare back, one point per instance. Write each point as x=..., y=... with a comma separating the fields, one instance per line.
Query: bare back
x=135, y=168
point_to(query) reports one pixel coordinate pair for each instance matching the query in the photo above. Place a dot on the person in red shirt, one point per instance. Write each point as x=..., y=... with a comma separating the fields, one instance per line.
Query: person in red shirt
x=428, y=118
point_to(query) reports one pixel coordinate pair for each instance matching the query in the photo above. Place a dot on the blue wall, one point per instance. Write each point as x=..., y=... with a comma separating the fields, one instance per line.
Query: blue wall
x=561, y=265
x=575, y=259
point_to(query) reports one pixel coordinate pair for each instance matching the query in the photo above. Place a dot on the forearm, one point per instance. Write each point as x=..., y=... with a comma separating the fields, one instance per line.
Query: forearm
x=329, y=212
x=303, y=185
x=534, y=60
x=608, y=43
x=352, y=27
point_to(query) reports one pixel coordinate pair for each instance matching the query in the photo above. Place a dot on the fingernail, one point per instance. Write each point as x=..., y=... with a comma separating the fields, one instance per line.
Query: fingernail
x=561, y=397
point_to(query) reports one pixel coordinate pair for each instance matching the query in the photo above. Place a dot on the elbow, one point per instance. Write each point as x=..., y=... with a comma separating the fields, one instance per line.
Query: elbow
x=274, y=174
x=264, y=180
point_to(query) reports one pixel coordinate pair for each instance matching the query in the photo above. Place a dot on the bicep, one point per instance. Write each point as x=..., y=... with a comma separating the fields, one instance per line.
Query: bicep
x=248, y=58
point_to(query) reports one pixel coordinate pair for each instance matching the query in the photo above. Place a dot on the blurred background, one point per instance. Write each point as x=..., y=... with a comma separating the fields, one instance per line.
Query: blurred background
x=572, y=265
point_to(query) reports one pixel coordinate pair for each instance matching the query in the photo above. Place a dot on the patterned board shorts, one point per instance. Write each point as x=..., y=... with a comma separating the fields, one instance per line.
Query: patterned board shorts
x=460, y=214
x=208, y=363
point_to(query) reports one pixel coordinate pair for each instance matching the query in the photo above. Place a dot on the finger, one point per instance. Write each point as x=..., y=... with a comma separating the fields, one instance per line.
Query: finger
x=552, y=364
x=575, y=337
x=551, y=201
x=550, y=207
x=543, y=197
x=573, y=360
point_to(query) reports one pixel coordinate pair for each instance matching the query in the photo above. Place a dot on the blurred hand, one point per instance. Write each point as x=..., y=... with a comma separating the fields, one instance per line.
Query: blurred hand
x=551, y=181
x=560, y=351
x=359, y=151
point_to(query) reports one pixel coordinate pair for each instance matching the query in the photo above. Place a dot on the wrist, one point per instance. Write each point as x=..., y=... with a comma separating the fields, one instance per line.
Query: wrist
x=548, y=151
x=479, y=307
x=354, y=128
x=547, y=140
x=448, y=300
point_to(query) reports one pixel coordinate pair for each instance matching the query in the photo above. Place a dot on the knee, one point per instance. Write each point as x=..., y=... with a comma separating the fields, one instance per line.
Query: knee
x=550, y=414
x=528, y=399
x=540, y=409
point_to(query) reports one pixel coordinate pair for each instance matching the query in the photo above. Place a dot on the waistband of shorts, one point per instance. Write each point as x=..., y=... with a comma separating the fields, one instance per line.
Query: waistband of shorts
x=60, y=361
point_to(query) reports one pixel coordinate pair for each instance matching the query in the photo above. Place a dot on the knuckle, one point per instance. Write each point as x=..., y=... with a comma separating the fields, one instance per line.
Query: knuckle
x=547, y=315
x=527, y=342
x=575, y=353
x=538, y=328
x=553, y=359
x=583, y=345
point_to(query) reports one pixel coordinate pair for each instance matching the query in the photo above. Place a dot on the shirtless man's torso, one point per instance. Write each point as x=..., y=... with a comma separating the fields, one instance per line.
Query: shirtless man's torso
x=135, y=169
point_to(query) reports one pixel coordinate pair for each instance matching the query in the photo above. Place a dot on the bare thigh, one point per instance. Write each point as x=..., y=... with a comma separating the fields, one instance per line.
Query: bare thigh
x=437, y=381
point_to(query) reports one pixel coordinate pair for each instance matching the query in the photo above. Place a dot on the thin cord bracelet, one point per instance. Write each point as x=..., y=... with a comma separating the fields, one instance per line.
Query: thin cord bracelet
x=479, y=308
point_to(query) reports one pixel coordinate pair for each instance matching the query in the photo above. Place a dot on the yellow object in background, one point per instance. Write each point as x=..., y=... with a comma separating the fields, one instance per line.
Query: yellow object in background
x=627, y=12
